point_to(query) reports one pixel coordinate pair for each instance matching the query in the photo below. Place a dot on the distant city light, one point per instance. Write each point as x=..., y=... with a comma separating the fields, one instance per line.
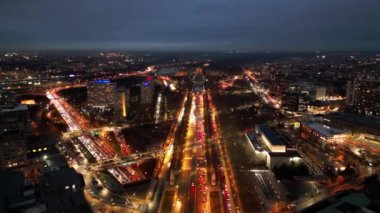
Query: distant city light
x=28, y=102
x=146, y=83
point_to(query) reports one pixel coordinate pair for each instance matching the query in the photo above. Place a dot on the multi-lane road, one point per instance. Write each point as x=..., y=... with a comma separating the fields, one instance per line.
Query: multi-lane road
x=96, y=148
x=193, y=185
x=202, y=174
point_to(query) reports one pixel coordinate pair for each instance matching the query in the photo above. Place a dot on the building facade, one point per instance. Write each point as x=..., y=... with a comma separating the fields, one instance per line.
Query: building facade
x=320, y=93
x=101, y=95
x=62, y=191
x=270, y=148
x=321, y=132
x=121, y=105
x=363, y=96
x=147, y=91
x=13, y=131
x=7, y=98
x=294, y=102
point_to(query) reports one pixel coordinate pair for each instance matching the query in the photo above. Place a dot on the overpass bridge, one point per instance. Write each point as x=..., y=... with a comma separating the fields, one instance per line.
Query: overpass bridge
x=123, y=161
x=136, y=157
x=77, y=133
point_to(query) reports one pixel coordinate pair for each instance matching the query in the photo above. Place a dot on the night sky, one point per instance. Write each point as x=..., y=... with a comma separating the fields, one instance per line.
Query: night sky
x=190, y=25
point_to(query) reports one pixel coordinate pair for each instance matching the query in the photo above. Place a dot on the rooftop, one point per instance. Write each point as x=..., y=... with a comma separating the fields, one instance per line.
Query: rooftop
x=341, y=202
x=252, y=138
x=19, y=107
x=130, y=81
x=362, y=121
x=324, y=129
x=369, y=80
x=287, y=154
x=62, y=178
x=270, y=135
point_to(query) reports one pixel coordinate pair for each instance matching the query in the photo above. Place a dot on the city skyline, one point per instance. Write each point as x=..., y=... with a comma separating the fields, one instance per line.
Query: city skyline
x=192, y=106
x=186, y=133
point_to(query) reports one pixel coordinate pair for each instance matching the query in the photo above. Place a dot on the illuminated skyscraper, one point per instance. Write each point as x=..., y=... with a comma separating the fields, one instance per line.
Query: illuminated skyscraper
x=101, y=95
x=121, y=104
x=147, y=91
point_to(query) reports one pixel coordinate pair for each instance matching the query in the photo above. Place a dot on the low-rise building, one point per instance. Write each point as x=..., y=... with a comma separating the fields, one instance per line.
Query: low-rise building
x=270, y=138
x=321, y=132
x=269, y=146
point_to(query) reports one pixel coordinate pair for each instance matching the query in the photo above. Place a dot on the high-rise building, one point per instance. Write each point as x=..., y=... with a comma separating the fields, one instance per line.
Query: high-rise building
x=101, y=94
x=147, y=91
x=7, y=98
x=289, y=102
x=198, y=80
x=121, y=104
x=13, y=130
x=294, y=102
x=363, y=96
x=349, y=94
x=320, y=93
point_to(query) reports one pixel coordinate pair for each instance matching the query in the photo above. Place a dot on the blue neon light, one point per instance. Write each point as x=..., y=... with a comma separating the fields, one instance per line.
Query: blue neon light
x=102, y=81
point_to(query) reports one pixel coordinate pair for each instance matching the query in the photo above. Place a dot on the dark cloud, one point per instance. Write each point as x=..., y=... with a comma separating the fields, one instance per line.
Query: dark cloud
x=278, y=25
